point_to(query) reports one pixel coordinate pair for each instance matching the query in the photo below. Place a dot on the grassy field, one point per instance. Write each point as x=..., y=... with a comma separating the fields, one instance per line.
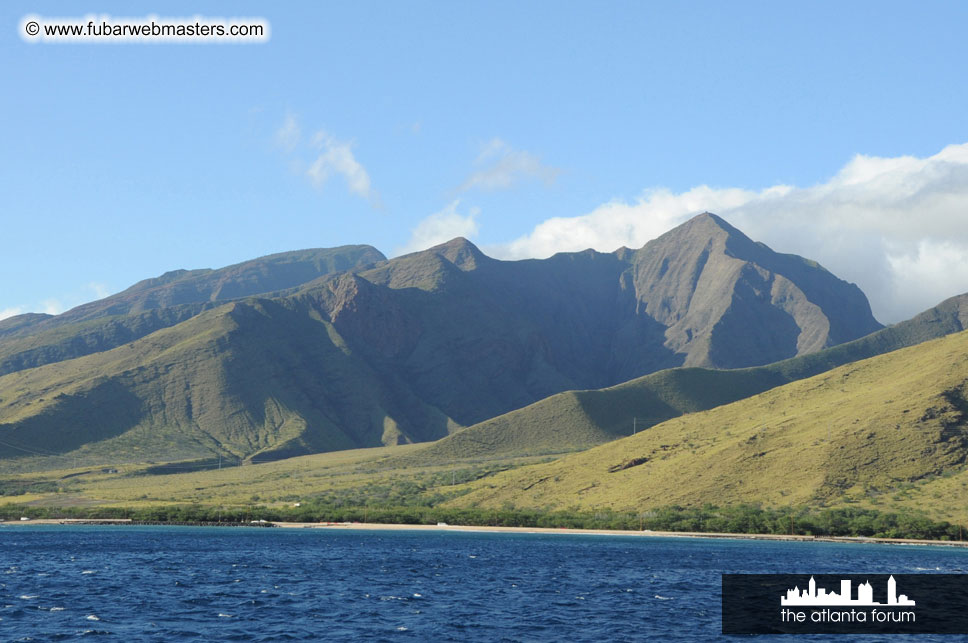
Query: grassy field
x=887, y=433
x=352, y=478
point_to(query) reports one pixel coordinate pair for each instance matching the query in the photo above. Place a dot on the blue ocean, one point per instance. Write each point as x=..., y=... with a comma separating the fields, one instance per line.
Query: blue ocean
x=248, y=584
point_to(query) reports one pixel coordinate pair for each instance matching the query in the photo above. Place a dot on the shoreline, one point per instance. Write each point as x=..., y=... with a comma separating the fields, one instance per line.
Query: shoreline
x=361, y=526
x=646, y=533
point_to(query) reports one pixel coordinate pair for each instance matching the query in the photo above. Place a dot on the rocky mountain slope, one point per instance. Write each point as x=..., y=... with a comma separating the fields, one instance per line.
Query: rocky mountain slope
x=405, y=350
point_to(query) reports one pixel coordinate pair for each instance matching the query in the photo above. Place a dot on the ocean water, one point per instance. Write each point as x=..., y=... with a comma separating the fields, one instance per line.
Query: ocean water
x=248, y=584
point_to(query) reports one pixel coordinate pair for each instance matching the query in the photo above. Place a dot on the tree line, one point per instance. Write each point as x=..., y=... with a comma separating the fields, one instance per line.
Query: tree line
x=738, y=519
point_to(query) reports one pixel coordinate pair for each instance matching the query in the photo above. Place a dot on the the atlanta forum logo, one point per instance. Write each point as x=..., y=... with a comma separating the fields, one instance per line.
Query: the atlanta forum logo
x=845, y=603
x=862, y=608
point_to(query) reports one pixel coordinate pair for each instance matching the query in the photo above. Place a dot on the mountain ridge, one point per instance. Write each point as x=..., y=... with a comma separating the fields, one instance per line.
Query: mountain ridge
x=156, y=303
x=270, y=273
x=430, y=342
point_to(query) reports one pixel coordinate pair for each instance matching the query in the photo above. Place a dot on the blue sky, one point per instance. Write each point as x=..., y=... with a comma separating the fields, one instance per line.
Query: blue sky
x=833, y=130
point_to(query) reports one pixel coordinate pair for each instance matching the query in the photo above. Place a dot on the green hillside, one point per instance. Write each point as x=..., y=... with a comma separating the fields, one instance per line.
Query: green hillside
x=237, y=381
x=886, y=432
x=577, y=420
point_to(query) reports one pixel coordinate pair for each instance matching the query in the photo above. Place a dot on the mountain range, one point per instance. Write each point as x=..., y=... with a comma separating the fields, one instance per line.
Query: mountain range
x=339, y=348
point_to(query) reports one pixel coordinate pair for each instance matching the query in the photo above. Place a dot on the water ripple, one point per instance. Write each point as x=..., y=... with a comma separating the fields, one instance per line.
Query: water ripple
x=197, y=584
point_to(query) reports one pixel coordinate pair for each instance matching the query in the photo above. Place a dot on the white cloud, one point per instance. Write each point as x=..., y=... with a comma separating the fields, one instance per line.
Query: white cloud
x=932, y=273
x=100, y=290
x=501, y=166
x=337, y=157
x=57, y=305
x=12, y=312
x=898, y=227
x=440, y=227
x=617, y=223
x=332, y=156
x=48, y=306
x=289, y=134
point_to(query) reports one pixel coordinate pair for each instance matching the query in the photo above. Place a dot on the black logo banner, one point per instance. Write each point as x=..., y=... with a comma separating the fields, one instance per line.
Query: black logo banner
x=845, y=603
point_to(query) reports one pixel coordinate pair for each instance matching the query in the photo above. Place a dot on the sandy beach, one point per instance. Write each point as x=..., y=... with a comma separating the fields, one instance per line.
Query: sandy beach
x=360, y=526
x=616, y=532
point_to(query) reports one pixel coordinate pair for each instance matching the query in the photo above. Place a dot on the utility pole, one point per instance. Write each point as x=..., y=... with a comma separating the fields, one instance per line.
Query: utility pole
x=634, y=427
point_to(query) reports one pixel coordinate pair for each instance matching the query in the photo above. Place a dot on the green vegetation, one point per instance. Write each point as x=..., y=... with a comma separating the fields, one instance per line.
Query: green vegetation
x=885, y=434
x=341, y=478
x=889, y=433
x=876, y=448
x=742, y=519
x=25, y=487
x=244, y=371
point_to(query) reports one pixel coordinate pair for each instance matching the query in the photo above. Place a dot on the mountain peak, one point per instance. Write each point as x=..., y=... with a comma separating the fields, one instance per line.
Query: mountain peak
x=708, y=224
x=457, y=243
x=460, y=252
x=727, y=301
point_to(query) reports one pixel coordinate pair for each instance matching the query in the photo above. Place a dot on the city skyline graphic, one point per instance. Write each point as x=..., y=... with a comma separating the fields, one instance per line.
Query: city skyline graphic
x=812, y=595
